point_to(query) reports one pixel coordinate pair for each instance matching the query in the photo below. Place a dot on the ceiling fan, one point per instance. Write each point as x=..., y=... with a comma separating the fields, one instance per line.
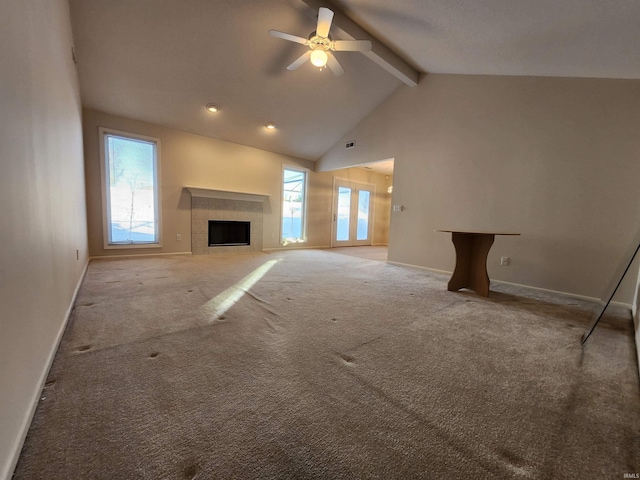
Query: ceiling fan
x=321, y=45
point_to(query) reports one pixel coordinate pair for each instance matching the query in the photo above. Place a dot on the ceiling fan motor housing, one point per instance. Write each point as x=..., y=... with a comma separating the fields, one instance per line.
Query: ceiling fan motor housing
x=316, y=42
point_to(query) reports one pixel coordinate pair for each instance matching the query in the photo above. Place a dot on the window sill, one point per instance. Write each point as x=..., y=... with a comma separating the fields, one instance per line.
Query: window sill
x=288, y=241
x=126, y=246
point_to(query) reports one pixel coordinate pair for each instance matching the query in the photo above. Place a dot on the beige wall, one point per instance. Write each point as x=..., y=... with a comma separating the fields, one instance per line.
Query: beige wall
x=43, y=209
x=555, y=159
x=194, y=160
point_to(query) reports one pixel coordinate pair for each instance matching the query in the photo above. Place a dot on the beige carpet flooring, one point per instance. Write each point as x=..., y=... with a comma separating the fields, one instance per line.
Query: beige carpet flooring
x=378, y=253
x=315, y=364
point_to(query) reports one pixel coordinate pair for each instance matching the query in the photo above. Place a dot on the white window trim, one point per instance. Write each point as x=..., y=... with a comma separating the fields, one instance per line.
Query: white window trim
x=102, y=131
x=306, y=171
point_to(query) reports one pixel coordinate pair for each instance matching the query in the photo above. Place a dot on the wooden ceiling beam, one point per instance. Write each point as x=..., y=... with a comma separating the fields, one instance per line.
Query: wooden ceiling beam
x=347, y=29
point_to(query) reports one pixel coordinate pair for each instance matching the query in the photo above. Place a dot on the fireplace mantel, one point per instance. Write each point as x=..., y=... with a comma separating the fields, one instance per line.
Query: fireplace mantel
x=227, y=194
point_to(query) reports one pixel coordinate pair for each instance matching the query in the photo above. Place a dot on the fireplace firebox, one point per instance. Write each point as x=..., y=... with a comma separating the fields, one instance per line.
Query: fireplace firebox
x=228, y=233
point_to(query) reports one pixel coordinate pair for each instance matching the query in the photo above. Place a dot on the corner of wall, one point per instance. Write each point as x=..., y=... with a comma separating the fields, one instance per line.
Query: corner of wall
x=41, y=184
x=33, y=403
x=635, y=309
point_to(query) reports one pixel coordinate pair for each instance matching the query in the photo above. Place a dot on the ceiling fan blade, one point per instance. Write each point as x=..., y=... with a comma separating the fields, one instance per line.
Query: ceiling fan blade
x=333, y=64
x=287, y=36
x=352, y=45
x=301, y=59
x=325, y=16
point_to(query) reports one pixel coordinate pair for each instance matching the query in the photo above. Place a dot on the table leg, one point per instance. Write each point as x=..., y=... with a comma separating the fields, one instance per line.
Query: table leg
x=471, y=262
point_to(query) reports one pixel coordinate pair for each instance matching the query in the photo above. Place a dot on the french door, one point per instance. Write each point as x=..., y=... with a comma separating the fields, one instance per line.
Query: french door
x=352, y=213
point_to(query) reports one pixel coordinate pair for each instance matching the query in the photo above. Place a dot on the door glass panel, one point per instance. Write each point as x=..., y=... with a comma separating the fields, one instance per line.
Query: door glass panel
x=344, y=210
x=362, y=232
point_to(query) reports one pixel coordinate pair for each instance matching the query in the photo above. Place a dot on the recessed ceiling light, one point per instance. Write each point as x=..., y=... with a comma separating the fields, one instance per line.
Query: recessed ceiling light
x=212, y=107
x=270, y=126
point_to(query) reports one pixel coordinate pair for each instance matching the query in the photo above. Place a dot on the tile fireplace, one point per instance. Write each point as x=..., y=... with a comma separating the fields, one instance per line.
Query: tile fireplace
x=235, y=213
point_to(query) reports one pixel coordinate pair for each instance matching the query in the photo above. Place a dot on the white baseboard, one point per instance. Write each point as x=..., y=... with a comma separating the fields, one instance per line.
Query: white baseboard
x=400, y=264
x=306, y=247
x=138, y=255
x=26, y=423
x=557, y=292
x=318, y=247
x=568, y=294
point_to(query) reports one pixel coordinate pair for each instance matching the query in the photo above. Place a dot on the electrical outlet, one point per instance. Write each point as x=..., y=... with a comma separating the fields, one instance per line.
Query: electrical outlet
x=178, y=237
x=398, y=208
x=504, y=261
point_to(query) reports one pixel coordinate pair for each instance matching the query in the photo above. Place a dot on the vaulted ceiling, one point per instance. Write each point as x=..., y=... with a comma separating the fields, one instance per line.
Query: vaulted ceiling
x=163, y=61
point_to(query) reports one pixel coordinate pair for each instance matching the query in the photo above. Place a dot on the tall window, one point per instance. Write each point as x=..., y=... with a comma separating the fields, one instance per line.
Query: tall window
x=294, y=205
x=130, y=168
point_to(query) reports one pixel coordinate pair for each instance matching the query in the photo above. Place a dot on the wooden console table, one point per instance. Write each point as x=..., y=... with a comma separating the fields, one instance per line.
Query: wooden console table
x=472, y=249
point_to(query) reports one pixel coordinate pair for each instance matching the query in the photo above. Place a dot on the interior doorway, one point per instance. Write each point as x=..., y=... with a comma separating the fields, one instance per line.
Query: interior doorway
x=353, y=205
x=354, y=223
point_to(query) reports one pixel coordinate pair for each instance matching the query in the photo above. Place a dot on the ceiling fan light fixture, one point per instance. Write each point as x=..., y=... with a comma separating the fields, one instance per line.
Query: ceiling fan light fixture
x=270, y=126
x=213, y=108
x=319, y=58
x=321, y=45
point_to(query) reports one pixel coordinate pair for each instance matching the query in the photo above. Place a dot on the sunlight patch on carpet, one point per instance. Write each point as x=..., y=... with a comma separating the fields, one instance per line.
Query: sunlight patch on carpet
x=222, y=302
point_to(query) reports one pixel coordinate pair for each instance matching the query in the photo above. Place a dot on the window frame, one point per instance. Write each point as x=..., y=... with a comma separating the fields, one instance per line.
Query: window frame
x=104, y=179
x=305, y=172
